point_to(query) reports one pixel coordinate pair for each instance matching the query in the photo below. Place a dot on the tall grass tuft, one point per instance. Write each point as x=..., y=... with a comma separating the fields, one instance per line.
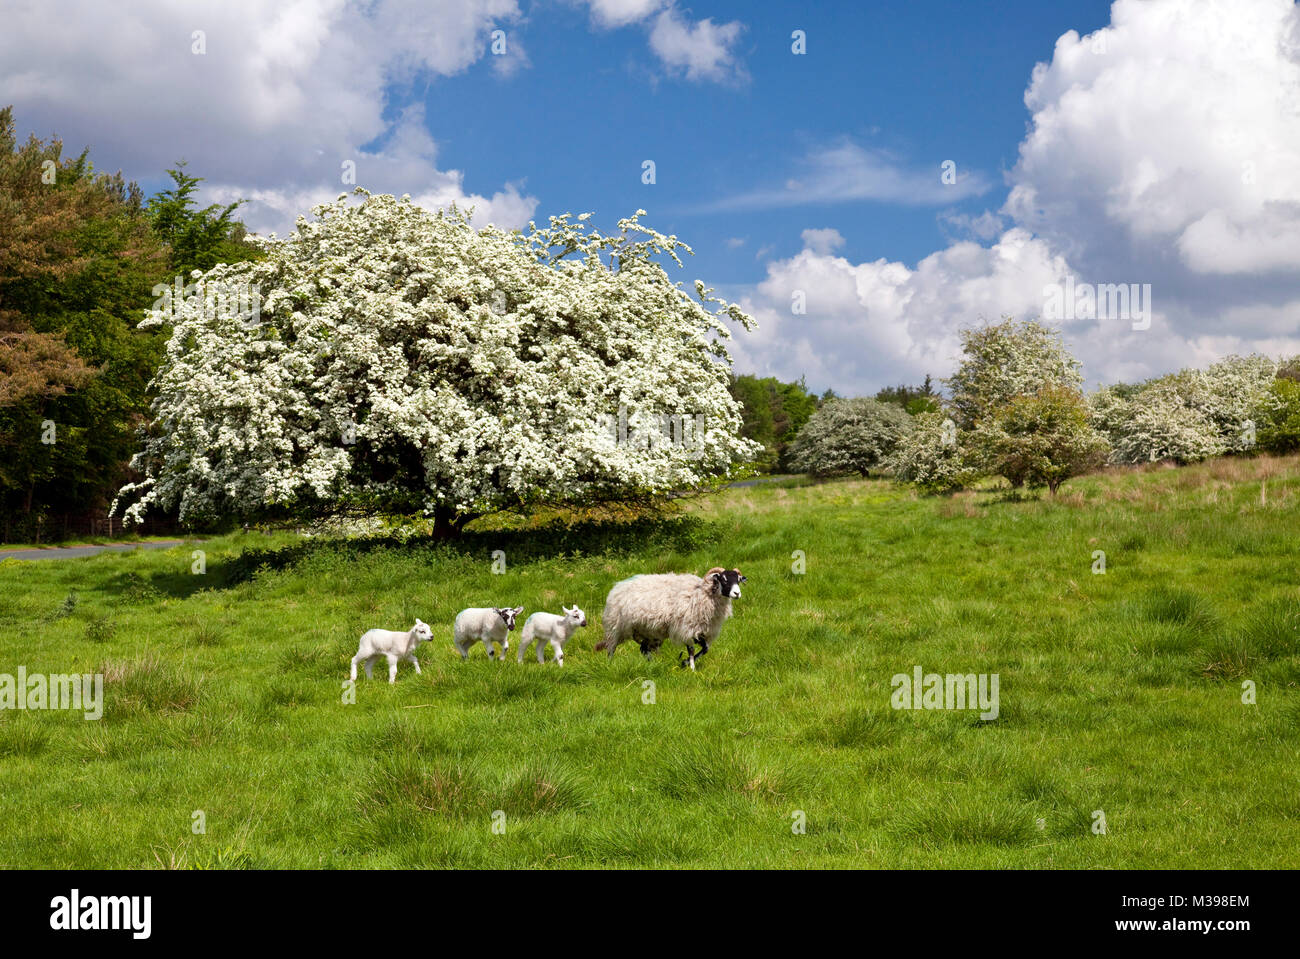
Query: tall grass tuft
x=147, y=684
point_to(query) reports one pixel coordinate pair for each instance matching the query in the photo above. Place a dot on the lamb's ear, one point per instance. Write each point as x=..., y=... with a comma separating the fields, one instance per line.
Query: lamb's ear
x=518, y=610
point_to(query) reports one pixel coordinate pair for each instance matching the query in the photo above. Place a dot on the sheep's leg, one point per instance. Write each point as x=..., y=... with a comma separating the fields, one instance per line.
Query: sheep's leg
x=704, y=647
x=464, y=653
x=354, y=666
x=541, y=651
x=414, y=662
x=523, y=648
x=559, y=651
x=690, y=655
x=370, y=666
x=392, y=668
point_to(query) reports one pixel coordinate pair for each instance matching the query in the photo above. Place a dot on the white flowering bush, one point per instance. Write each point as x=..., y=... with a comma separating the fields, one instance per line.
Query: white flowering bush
x=1189, y=415
x=1156, y=424
x=405, y=362
x=1231, y=392
x=849, y=436
x=934, y=455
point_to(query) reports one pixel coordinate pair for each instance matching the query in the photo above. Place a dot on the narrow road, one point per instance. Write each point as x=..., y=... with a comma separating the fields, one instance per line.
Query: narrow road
x=761, y=479
x=72, y=552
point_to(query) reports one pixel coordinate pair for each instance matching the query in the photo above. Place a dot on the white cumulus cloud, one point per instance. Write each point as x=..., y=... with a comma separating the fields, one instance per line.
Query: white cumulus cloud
x=281, y=96
x=702, y=50
x=697, y=50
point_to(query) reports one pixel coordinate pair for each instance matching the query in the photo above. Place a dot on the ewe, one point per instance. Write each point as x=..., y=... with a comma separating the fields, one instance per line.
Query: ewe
x=686, y=609
x=551, y=628
x=489, y=624
x=392, y=644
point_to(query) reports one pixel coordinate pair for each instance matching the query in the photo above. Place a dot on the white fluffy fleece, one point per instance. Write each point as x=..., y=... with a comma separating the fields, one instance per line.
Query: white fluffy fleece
x=549, y=628
x=679, y=607
x=393, y=645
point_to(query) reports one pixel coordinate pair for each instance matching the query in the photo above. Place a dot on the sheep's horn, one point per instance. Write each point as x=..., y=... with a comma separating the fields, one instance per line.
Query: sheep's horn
x=716, y=569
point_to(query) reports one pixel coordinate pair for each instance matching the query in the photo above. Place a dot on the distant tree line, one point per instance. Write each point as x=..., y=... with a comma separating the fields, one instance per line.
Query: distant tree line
x=80, y=254
x=774, y=412
x=1015, y=408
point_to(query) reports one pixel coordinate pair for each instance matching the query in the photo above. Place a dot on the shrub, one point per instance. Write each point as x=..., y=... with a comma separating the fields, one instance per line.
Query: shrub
x=849, y=436
x=1230, y=393
x=1156, y=424
x=1188, y=415
x=1041, y=440
x=1278, y=417
x=934, y=455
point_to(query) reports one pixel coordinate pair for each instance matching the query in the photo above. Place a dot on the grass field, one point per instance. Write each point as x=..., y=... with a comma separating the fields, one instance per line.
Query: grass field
x=1119, y=692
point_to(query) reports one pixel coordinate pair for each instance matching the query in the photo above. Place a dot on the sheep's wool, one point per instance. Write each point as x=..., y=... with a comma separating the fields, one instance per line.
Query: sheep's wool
x=665, y=606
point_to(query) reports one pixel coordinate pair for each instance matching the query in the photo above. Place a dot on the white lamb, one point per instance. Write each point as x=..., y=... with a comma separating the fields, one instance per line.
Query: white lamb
x=486, y=624
x=392, y=644
x=548, y=627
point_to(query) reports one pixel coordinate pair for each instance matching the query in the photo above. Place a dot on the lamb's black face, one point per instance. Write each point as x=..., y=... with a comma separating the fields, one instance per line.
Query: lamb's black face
x=728, y=583
x=508, y=616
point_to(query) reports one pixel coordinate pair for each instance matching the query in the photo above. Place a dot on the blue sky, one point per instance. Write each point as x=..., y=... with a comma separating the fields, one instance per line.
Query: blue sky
x=926, y=82
x=1149, y=143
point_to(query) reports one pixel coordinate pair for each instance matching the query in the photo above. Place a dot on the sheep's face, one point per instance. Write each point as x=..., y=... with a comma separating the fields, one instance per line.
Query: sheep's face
x=422, y=632
x=576, y=616
x=508, y=616
x=727, y=582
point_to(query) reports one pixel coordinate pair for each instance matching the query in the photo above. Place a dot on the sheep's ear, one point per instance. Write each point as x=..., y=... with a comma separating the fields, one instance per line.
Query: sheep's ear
x=518, y=610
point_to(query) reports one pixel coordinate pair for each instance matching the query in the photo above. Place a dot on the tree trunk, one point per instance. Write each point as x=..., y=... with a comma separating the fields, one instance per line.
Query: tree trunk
x=448, y=524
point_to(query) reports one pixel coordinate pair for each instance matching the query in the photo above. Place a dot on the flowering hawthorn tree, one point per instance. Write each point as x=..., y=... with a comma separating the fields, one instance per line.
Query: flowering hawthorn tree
x=403, y=361
x=1005, y=360
x=849, y=436
x=935, y=455
x=1189, y=415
